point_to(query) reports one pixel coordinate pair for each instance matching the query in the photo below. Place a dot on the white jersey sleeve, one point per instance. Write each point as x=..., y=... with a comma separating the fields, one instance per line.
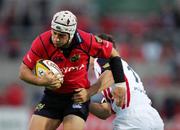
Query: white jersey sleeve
x=97, y=68
x=135, y=94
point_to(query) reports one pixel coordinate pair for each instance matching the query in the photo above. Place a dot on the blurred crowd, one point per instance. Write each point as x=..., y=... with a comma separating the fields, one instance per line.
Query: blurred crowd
x=149, y=42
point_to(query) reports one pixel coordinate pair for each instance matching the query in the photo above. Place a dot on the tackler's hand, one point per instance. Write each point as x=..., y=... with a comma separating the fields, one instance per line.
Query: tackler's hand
x=81, y=95
x=119, y=94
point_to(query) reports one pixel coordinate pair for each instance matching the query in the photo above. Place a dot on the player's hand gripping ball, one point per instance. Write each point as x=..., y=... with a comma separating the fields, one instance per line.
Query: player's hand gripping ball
x=44, y=65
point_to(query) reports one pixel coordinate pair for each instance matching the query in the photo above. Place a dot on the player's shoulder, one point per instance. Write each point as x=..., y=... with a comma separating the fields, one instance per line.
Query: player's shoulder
x=44, y=38
x=45, y=35
x=84, y=35
x=82, y=32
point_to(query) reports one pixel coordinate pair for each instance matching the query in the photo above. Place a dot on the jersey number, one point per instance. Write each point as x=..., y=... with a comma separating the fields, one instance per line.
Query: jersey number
x=134, y=74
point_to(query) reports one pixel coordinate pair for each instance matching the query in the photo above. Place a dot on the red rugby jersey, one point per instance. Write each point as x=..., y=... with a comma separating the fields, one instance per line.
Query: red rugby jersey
x=73, y=61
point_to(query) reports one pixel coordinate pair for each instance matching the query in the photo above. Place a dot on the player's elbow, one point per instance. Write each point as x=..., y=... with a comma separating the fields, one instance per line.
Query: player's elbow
x=20, y=74
x=102, y=111
x=22, y=71
x=105, y=115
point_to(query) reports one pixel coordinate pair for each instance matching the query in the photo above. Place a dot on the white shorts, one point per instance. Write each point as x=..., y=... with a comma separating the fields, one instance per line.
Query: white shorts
x=138, y=118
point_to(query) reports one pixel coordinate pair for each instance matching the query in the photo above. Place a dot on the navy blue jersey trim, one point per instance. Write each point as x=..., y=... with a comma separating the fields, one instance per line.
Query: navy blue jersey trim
x=76, y=41
x=102, y=62
x=79, y=37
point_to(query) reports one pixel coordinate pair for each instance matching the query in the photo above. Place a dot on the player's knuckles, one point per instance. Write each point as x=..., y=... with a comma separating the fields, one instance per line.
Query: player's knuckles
x=57, y=82
x=54, y=84
x=61, y=82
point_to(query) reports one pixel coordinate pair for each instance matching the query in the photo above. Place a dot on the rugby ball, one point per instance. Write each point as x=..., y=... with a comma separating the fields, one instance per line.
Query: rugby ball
x=44, y=65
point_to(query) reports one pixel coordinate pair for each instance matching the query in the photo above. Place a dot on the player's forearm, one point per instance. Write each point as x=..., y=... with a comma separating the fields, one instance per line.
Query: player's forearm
x=93, y=89
x=106, y=80
x=117, y=67
x=103, y=82
x=27, y=75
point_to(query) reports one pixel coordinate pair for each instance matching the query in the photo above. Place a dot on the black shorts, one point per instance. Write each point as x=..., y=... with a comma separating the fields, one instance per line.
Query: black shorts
x=57, y=106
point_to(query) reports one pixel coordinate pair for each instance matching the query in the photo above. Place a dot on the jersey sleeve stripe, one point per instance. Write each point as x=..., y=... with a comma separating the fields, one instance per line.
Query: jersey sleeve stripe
x=106, y=95
x=123, y=106
x=128, y=92
x=44, y=46
x=109, y=93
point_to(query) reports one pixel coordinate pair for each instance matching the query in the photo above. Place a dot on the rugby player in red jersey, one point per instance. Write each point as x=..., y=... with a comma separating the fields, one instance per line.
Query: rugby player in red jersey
x=70, y=48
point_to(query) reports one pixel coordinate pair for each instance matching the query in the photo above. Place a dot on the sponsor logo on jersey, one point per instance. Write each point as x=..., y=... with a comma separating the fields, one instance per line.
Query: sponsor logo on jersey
x=77, y=106
x=39, y=107
x=75, y=58
x=73, y=68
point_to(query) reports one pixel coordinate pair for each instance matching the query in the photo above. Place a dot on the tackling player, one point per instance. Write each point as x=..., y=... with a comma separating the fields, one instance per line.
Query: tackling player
x=70, y=48
x=136, y=113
